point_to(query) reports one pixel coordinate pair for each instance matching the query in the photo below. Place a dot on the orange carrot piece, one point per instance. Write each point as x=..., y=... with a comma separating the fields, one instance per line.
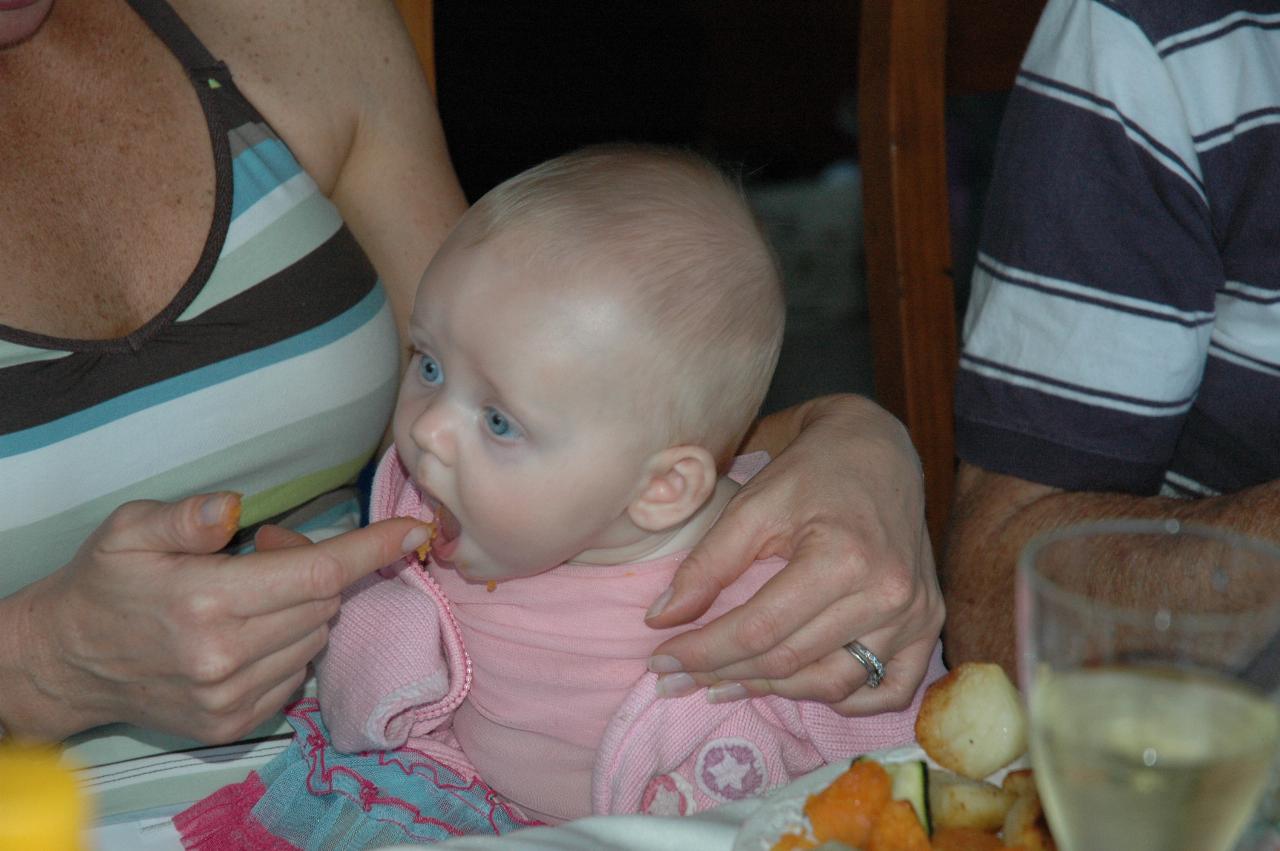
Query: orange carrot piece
x=898, y=829
x=846, y=810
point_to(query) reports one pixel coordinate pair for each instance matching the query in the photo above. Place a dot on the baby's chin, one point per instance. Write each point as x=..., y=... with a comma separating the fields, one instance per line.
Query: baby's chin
x=470, y=570
x=490, y=580
x=487, y=573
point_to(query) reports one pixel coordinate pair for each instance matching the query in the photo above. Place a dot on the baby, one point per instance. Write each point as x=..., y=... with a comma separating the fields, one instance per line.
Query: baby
x=589, y=347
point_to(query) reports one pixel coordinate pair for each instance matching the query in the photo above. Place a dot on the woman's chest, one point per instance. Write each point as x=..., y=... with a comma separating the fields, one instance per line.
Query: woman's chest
x=106, y=191
x=108, y=184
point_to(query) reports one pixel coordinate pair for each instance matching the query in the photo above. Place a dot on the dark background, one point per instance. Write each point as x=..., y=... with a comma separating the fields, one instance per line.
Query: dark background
x=764, y=86
x=761, y=84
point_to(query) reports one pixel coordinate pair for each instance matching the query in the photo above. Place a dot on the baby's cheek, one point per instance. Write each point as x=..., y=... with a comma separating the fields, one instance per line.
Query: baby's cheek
x=530, y=538
x=504, y=522
x=401, y=422
x=540, y=518
x=516, y=513
x=529, y=533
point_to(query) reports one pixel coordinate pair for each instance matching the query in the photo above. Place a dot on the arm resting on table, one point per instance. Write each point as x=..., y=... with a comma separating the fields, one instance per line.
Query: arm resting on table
x=995, y=515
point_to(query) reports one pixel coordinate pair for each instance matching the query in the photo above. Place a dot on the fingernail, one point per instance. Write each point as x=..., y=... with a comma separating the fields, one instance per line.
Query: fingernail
x=726, y=692
x=676, y=685
x=660, y=604
x=221, y=509
x=417, y=536
x=665, y=664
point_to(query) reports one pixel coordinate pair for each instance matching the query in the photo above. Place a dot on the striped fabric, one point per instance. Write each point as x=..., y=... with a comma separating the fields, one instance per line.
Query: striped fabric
x=1124, y=327
x=272, y=372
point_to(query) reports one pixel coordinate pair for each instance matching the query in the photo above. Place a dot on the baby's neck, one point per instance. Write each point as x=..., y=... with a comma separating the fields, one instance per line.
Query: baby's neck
x=668, y=541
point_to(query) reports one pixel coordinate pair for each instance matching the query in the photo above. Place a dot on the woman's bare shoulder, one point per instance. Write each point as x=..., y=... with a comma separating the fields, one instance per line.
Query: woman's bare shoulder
x=289, y=31
x=309, y=66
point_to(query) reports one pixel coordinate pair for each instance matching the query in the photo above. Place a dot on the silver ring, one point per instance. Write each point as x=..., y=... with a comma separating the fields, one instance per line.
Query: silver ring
x=868, y=660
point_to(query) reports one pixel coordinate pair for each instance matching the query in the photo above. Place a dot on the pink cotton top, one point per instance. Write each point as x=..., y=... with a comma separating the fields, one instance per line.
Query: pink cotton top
x=539, y=687
x=554, y=689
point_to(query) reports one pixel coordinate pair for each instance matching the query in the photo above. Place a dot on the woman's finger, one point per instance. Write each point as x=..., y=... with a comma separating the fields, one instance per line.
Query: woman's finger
x=789, y=600
x=264, y=635
x=264, y=705
x=815, y=639
x=899, y=613
x=906, y=675
x=198, y=524
x=840, y=680
x=273, y=700
x=236, y=701
x=282, y=578
x=272, y=537
x=199, y=704
x=264, y=674
x=731, y=546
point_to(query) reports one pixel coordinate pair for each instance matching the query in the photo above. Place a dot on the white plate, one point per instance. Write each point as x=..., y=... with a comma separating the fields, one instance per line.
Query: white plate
x=783, y=811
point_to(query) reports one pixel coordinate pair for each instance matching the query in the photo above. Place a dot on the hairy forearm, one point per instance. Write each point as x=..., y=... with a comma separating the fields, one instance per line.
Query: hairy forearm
x=995, y=517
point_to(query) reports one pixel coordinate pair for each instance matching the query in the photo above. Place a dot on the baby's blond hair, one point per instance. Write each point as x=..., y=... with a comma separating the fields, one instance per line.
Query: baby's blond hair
x=696, y=264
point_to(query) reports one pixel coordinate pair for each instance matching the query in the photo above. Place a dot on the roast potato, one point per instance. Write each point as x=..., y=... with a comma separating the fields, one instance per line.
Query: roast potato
x=971, y=721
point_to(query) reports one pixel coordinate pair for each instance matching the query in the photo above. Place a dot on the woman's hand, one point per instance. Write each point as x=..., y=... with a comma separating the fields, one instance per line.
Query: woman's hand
x=844, y=503
x=149, y=624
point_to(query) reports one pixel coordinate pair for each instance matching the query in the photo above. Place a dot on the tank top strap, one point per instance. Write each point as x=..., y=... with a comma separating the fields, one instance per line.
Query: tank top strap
x=181, y=41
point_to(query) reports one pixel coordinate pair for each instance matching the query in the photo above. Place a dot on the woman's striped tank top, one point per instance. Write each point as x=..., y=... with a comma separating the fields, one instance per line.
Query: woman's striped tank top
x=272, y=372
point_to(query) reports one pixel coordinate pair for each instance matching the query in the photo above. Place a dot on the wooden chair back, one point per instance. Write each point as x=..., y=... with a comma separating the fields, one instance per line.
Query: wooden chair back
x=912, y=53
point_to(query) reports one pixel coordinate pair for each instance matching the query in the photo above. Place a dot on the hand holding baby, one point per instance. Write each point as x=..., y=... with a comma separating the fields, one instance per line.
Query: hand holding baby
x=202, y=644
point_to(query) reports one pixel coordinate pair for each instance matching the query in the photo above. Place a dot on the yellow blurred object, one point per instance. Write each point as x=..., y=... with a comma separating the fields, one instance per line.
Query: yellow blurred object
x=42, y=808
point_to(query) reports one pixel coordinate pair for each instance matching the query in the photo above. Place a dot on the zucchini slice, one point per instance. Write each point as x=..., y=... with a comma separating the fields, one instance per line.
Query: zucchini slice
x=911, y=784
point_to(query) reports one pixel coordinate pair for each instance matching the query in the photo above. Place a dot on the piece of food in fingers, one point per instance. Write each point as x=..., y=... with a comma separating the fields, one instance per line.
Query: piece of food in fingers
x=971, y=721
x=423, y=551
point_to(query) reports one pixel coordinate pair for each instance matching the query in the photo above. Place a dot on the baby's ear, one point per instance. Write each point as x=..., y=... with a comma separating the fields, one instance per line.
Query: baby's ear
x=680, y=479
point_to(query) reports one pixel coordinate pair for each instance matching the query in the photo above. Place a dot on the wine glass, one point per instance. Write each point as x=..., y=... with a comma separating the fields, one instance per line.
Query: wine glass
x=1150, y=654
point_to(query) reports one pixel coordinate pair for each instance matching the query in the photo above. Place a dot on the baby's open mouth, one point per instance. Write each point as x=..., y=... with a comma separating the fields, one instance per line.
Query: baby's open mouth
x=446, y=526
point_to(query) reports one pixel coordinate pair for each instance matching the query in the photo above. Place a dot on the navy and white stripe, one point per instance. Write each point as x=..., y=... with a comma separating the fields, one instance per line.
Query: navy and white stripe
x=1124, y=327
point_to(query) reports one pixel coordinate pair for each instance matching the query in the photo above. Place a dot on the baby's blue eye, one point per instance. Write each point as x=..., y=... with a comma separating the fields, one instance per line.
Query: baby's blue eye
x=498, y=423
x=429, y=369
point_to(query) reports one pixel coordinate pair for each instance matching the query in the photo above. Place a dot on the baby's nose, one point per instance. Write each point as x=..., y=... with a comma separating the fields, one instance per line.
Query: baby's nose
x=435, y=432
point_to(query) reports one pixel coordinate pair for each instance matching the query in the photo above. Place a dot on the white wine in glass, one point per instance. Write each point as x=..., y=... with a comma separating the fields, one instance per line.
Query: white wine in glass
x=1148, y=652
